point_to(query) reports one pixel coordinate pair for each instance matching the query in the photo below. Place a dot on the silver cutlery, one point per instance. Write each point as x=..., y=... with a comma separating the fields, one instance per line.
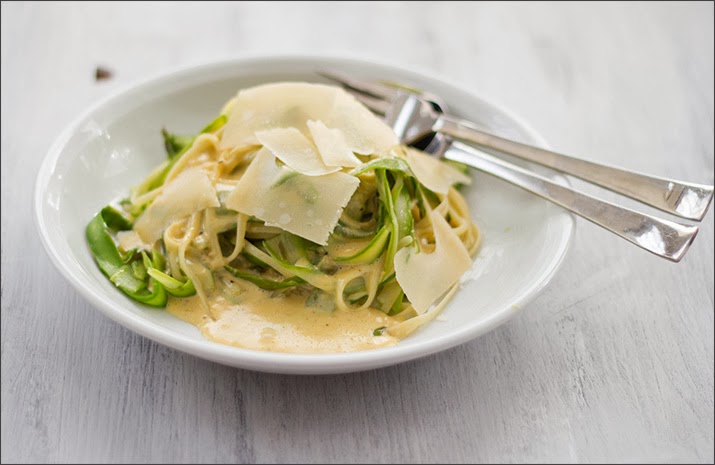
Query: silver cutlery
x=413, y=117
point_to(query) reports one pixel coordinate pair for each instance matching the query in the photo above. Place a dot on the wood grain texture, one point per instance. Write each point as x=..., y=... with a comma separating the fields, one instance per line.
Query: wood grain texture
x=612, y=362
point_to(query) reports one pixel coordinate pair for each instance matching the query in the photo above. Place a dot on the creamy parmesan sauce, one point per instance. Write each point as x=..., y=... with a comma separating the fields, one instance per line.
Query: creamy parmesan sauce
x=283, y=324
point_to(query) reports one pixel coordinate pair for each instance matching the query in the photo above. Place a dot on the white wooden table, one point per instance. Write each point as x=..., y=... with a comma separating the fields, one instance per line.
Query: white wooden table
x=613, y=362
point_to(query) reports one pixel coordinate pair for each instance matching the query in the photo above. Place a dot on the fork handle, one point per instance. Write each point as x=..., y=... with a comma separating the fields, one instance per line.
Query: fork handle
x=664, y=238
x=683, y=199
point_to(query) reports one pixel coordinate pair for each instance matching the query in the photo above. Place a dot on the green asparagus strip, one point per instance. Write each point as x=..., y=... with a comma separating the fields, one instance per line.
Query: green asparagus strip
x=108, y=258
x=401, y=205
x=341, y=229
x=173, y=286
x=310, y=274
x=116, y=219
x=287, y=247
x=391, y=164
x=176, y=145
x=215, y=125
x=383, y=189
x=265, y=283
x=118, y=270
x=138, y=269
x=372, y=250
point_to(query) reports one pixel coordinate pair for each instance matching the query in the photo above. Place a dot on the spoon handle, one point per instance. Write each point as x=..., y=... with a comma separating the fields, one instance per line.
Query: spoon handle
x=683, y=199
x=664, y=238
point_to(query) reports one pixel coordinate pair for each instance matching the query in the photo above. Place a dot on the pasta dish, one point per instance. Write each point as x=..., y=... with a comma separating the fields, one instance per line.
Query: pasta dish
x=293, y=222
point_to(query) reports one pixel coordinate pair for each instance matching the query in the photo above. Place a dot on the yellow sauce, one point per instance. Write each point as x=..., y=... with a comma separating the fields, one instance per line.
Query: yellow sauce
x=283, y=323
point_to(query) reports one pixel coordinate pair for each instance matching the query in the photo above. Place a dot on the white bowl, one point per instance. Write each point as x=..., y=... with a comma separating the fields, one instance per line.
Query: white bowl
x=117, y=142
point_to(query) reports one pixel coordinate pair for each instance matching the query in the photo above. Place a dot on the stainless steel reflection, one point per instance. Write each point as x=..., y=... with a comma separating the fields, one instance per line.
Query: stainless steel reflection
x=416, y=118
x=413, y=117
x=665, y=238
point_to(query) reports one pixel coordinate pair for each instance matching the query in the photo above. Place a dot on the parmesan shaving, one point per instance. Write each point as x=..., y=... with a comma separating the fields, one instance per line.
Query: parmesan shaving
x=446, y=265
x=332, y=145
x=364, y=132
x=278, y=105
x=308, y=206
x=190, y=192
x=436, y=175
x=292, y=148
x=293, y=104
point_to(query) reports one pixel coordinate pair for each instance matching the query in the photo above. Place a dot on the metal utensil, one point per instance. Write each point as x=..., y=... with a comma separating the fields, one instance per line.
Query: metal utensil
x=413, y=117
x=664, y=238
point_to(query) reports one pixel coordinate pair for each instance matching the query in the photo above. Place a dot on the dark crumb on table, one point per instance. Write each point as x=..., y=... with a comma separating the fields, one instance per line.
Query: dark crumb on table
x=101, y=74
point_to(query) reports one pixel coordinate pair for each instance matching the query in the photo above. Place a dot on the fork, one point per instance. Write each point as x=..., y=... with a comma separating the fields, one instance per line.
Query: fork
x=414, y=116
x=661, y=237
